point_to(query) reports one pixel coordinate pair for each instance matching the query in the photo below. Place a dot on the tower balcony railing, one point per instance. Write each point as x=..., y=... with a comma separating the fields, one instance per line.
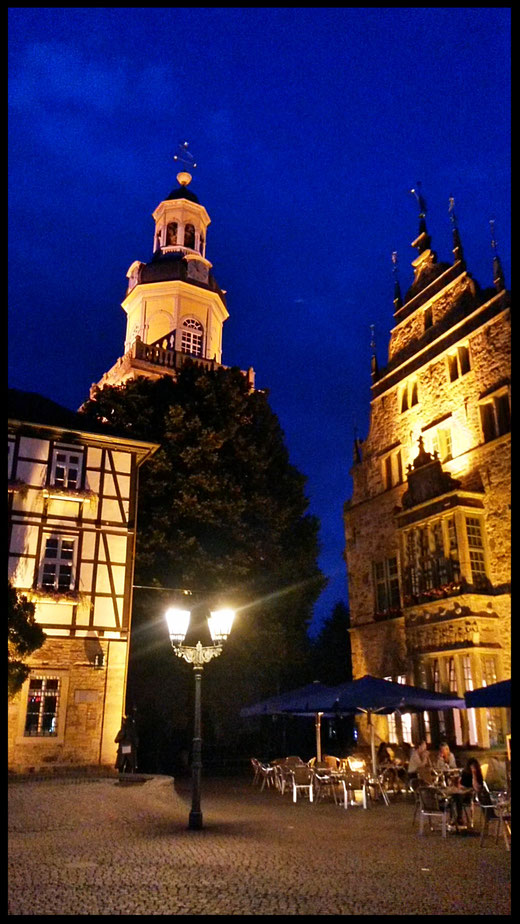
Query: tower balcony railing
x=158, y=354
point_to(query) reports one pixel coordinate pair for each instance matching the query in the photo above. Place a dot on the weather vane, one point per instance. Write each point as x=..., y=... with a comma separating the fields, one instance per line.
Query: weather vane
x=184, y=156
x=421, y=201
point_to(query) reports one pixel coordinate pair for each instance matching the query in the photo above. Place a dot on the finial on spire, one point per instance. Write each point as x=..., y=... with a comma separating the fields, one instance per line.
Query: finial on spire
x=423, y=241
x=457, y=245
x=398, y=301
x=373, y=360
x=184, y=156
x=498, y=272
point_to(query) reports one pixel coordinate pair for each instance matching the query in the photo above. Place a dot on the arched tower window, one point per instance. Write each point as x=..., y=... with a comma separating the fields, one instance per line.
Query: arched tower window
x=201, y=247
x=192, y=337
x=171, y=233
x=189, y=236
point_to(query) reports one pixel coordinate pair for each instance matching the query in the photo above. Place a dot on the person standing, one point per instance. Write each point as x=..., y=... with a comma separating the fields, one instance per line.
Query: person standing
x=127, y=741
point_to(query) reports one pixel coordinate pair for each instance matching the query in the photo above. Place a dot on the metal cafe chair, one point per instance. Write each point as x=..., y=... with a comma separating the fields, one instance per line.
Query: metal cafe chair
x=500, y=814
x=433, y=806
x=301, y=779
x=324, y=783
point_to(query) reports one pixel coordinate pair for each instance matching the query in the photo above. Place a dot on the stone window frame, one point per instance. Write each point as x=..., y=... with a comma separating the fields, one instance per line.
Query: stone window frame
x=392, y=468
x=458, y=362
x=493, y=422
x=386, y=579
x=409, y=395
x=62, y=674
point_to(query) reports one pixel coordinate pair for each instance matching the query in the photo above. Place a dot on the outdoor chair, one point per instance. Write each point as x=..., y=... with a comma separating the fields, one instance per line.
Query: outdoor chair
x=332, y=762
x=500, y=815
x=256, y=769
x=324, y=783
x=376, y=789
x=353, y=782
x=301, y=780
x=433, y=806
x=266, y=772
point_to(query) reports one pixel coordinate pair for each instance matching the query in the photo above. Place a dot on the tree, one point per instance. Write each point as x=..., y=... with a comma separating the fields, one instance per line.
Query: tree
x=331, y=651
x=221, y=510
x=24, y=636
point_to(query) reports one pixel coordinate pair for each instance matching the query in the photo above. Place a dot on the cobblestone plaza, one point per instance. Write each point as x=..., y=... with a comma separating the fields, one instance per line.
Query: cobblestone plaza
x=97, y=847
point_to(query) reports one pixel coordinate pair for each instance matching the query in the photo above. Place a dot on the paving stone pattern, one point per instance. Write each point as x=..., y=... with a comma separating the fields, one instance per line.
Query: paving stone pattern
x=97, y=847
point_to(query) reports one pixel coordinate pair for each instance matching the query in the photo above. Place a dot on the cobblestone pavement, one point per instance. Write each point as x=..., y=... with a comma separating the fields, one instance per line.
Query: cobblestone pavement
x=97, y=847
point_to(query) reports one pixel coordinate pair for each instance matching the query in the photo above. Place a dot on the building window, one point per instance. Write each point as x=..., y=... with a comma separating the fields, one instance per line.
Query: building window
x=409, y=396
x=192, y=334
x=171, y=233
x=66, y=469
x=431, y=558
x=468, y=685
x=452, y=678
x=201, y=244
x=392, y=469
x=458, y=363
x=10, y=458
x=495, y=416
x=386, y=583
x=42, y=707
x=189, y=236
x=441, y=443
x=477, y=559
x=57, y=567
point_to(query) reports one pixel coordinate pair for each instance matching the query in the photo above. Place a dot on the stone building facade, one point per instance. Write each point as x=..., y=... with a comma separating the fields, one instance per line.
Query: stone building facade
x=72, y=521
x=428, y=525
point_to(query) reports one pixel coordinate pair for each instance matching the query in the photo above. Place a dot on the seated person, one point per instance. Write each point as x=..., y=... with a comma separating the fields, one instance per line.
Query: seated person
x=471, y=777
x=445, y=760
x=385, y=755
x=419, y=758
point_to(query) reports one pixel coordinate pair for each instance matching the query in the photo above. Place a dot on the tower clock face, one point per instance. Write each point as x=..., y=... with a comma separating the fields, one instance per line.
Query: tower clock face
x=197, y=271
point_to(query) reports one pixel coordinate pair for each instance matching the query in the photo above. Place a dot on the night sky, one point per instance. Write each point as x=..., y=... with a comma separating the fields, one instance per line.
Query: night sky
x=309, y=128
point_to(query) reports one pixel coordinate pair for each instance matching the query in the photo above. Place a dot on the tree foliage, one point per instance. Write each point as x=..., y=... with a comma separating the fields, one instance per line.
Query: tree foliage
x=331, y=651
x=24, y=636
x=222, y=510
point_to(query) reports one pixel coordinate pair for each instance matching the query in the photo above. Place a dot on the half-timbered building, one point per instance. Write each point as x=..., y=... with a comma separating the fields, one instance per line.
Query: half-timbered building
x=72, y=529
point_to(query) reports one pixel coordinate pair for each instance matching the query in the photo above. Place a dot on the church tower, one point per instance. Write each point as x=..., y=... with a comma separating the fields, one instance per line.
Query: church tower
x=428, y=525
x=174, y=306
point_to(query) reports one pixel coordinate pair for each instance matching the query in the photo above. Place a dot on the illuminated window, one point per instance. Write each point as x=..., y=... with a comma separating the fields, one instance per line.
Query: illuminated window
x=409, y=395
x=476, y=552
x=42, y=707
x=441, y=443
x=66, y=468
x=386, y=584
x=452, y=677
x=468, y=685
x=495, y=416
x=458, y=363
x=392, y=469
x=56, y=570
x=189, y=236
x=192, y=336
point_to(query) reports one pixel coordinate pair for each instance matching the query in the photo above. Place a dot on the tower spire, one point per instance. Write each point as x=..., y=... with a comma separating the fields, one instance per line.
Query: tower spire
x=423, y=241
x=457, y=244
x=498, y=272
x=373, y=360
x=398, y=301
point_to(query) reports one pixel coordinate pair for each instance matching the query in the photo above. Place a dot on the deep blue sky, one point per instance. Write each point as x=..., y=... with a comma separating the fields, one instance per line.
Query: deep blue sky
x=309, y=127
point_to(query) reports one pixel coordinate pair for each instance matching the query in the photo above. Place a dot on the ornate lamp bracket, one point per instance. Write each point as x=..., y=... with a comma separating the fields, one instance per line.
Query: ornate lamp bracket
x=198, y=656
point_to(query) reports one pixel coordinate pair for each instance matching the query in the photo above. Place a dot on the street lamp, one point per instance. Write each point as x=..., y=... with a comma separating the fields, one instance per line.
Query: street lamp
x=220, y=623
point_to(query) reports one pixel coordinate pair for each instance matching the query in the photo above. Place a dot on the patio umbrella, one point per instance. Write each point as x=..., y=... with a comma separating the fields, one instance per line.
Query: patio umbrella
x=364, y=696
x=372, y=694
x=305, y=701
x=496, y=695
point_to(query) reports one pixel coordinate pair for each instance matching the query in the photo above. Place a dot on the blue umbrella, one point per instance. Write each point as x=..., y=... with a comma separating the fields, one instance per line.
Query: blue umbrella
x=496, y=695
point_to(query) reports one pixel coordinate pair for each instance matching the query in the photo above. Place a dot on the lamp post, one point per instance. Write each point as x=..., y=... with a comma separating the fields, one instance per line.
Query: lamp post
x=220, y=623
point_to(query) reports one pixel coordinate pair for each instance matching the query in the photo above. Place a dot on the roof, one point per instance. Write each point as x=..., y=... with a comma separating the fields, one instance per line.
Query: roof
x=31, y=408
x=181, y=192
x=173, y=265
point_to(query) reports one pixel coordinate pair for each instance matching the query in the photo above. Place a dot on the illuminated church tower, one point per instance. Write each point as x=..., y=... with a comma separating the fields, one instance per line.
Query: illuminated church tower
x=175, y=308
x=428, y=524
